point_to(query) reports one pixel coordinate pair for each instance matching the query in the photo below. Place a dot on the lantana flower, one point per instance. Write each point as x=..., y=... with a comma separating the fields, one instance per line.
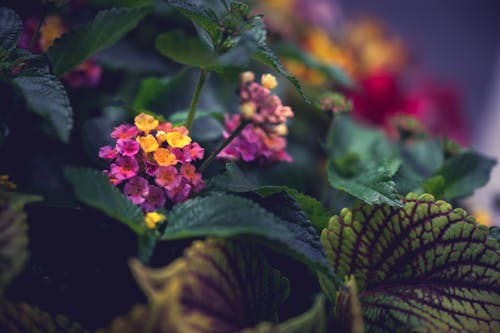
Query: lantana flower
x=153, y=167
x=263, y=139
x=86, y=74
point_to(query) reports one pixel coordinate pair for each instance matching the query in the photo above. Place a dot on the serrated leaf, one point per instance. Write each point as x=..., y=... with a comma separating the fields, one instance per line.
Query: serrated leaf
x=21, y=317
x=232, y=180
x=11, y=28
x=465, y=172
x=45, y=95
x=312, y=321
x=424, y=266
x=217, y=286
x=81, y=42
x=13, y=234
x=93, y=188
x=362, y=162
x=267, y=57
x=199, y=15
x=185, y=50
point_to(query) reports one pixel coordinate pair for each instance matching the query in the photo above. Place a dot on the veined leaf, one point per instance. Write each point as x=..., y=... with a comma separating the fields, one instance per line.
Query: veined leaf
x=80, y=43
x=424, y=266
x=28, y=319
x=11, y=28
x=13, y=234
x=349, y=314
x=362, y=163
x=93, y=188
x=185, y=50
x=45, y=95
x=218, y=286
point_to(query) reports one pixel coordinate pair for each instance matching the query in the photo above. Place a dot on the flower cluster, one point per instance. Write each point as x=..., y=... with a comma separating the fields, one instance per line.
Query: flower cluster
x=87, y=74
x=262, y=140
x=153, y=161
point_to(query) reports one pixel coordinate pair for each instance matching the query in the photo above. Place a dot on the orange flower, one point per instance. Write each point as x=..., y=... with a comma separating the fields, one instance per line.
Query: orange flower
x=164, y=157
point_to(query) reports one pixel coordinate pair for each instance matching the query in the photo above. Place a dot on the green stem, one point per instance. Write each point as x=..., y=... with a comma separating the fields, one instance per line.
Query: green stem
x=196, y=97
x=146, y=244
x=223, y=145
x=37, y=31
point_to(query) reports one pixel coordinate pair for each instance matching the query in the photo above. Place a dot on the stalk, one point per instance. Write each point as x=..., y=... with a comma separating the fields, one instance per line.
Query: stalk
x=196, y=97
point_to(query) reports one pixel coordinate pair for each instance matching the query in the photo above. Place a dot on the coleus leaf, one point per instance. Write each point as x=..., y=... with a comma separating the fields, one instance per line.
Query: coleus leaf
x=348, y=308
x=424, y=266
x=217, y=286
x=45, y=95
x=13, y=234
x=81, y=42
x=22, y=317
x=93, y=188
x=11, y=28
x=362, y=162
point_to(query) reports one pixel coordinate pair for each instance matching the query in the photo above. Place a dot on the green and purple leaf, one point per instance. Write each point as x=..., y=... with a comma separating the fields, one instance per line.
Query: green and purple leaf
x=425, y=265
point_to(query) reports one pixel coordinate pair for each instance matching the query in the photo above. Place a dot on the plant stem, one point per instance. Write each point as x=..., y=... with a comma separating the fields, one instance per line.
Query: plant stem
x=223, y=145
x=196, y=97
x=37, y=31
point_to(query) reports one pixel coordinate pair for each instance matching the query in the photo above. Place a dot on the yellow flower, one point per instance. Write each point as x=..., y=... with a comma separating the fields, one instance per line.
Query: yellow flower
x=281, y=130
x=153, y=218
x=269, y=81
x=248, y=110
x=483, y=217
x=178, y=140
x=161, y=136
x=247, y=77
x=146, y=123
x=51, y=29
x=164, y=157
x=148, y=143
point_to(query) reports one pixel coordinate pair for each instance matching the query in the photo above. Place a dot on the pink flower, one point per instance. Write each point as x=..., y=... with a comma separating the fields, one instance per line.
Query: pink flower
x=188, y=172
x=125, y=167
x=87, y=74
x=155, y=199
x=168, y=177
x=127, y=147
x=180, y=193
x=124, y=132
x=107, y=152
x=136, y=189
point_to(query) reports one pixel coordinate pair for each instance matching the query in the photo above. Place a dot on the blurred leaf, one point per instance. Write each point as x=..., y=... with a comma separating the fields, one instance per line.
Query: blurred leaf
x=434, y=185
x=45, y=95
x=13, y=235
x=464, y=173
x=332, y=72
x=181, y=116
x=11, y=28
x=495, y=233
x=424, y=266
x=232, y=180
x=21, y=317
x=362, y=162
x=185, y=50
x=93, y=188
x=348, y=311
x=120, y=3
x=83, y=41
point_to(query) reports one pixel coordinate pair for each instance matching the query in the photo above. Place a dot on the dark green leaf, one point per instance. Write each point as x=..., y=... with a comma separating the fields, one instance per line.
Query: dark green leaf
x=362, y=162
x=465, y=172
x=13, y=234
x=82, y=42
x=93, y=188
x=180, y=118
x=11, y=28
x=184, y=50
x=425, y=265
x=45, y=95
x=495, y=233
x=199, y=15
x=121, y=3
x=434, y=185
x=232, y=180
x=219, y=286
x=21, y=317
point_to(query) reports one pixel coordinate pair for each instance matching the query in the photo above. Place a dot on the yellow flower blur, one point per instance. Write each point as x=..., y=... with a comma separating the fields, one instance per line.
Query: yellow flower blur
x=178, y=140
x=146, y=123
x=269, y=81
x=148, y=143
x=153, y=218
x=164, y=157
x=51, y=29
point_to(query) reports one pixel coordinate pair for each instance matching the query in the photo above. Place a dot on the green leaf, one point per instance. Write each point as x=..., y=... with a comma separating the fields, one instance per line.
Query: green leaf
x=312, y=321
x=121, y=3
x=362, y=162
x=179, y=118
x=81, y=42
x=199, y=15
x=45, y=95
x=334, y=73
x=434, y=185
x=93, y=188
x=11, y=28
x=425, y=265
x=349, y=313
x=495, y=233
x=13, y=235
x=185, y=50
x=217, y=286
x=465, y=172
x=21, y=317
x=232, y=180
x=267, y=57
